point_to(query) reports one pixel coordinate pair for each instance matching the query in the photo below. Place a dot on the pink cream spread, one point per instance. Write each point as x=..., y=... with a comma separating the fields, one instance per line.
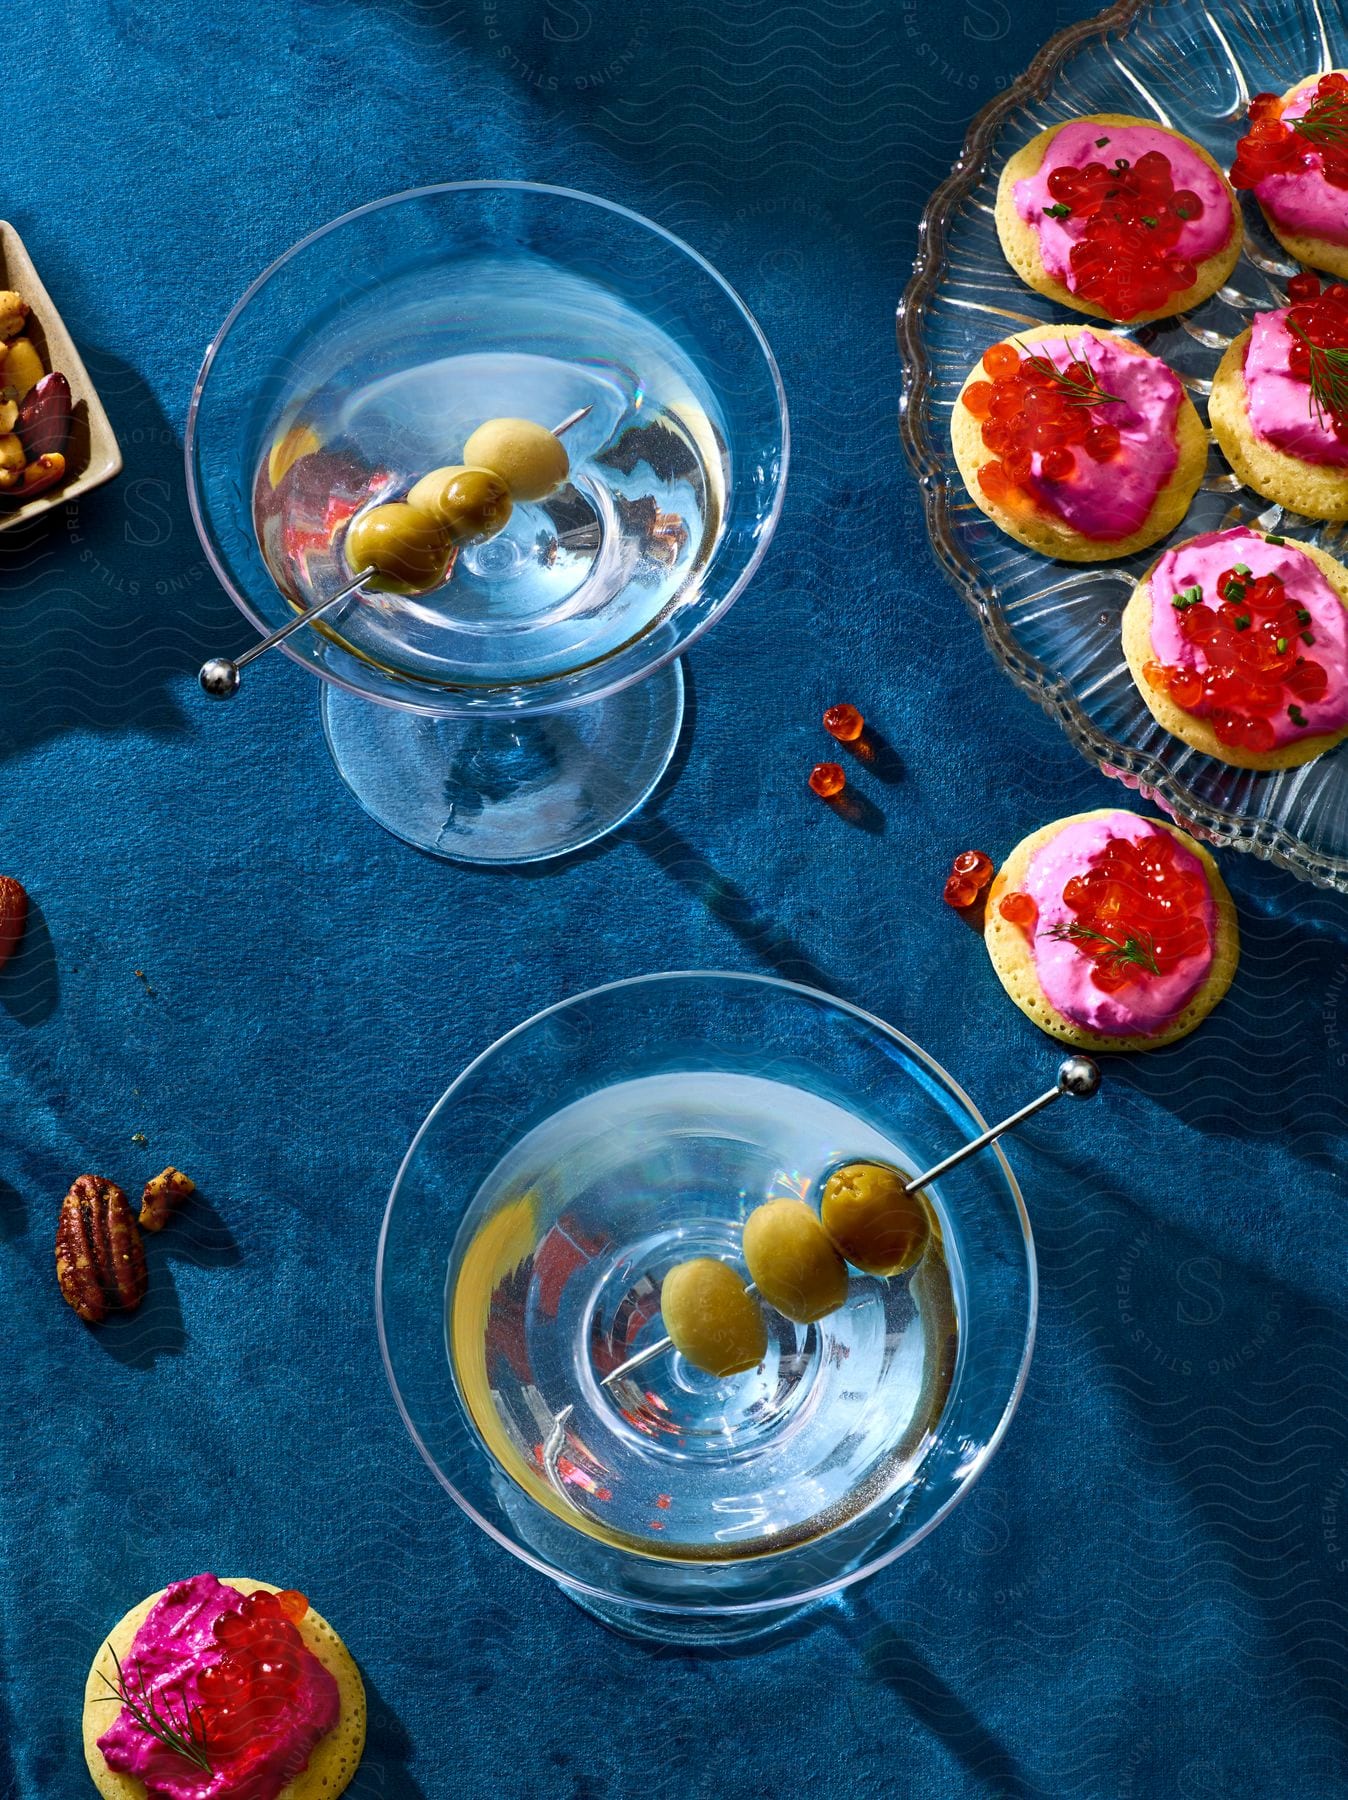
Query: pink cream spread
x=1112, y=499
x=1304, y=204
x=174, y=1645
x=1075, y=145
x=1202, y=560
x=1142, y=1008
x=1278, y=403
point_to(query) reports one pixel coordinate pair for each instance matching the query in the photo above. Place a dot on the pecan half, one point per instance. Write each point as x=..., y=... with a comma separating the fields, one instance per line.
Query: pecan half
x=162, y=1193
x=100, y=1260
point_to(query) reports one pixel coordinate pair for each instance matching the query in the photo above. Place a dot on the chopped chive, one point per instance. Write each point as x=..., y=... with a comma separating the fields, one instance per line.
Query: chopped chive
x=1308, y=637
x=1100, y=143
x=1296, y=715
x=1120, y=162
x=1280, y=645
x=1234, y=592
x=1271, y=537
x=1059, y=211
x=1241, y=621
x=1149, y=221
x=1241, y=568
x=1303, y=617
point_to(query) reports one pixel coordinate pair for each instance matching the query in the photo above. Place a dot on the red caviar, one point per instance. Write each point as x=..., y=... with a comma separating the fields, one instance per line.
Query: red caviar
x=970, y=873
x=1318, y=141
x=844, y=723
x=1137, y=912
x=1252, y=639
x=1033, y=405
x=256, y=1675
x=827, y=779
x=1126, y=220
x=1018, y=909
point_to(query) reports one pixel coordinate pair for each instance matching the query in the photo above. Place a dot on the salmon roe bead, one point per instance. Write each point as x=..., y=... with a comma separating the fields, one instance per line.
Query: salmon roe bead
x=1018, y=909
x=827, y=779
x=844, y=723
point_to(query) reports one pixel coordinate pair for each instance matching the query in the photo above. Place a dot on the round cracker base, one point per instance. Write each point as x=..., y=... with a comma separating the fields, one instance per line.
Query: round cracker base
x=1138, y=650
x=1011, y=956
x=1311, y=489
x=335, y=1758
x=1054, y=537
x=1020, y=242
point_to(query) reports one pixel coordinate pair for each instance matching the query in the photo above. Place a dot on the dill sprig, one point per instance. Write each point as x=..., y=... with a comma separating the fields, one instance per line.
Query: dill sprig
x=1325, y=120
x=1140, y=950
x=185, y=1735
x=1328, y=377
x=1078, y=393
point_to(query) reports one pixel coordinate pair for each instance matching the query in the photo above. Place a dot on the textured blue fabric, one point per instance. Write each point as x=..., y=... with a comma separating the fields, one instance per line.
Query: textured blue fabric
x=1146, y=1595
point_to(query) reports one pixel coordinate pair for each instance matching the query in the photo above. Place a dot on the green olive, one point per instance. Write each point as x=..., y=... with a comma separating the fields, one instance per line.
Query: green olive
x=407, y=546
x=527, y=457
x=874, y=1222
x=794, y=1266
x=467, y=503
x=714, y=1321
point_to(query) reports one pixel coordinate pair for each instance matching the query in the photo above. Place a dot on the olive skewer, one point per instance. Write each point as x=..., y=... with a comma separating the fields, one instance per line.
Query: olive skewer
x=528, y=477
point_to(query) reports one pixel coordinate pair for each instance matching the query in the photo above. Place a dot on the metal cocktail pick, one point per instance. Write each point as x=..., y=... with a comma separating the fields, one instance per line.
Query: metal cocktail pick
x=220, y=676
x=1077, y=1075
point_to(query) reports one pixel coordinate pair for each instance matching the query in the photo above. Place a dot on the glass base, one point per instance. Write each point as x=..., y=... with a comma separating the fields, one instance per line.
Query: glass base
x=504, y=791
x=696, y=1631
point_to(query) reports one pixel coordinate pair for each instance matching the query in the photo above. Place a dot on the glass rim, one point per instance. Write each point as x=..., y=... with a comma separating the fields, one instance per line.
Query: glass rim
x=205, y=536
x=838, y=1583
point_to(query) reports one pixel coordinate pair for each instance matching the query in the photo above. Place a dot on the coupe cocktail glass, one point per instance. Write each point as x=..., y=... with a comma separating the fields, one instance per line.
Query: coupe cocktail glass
x=526, y=1238
x=530, y=703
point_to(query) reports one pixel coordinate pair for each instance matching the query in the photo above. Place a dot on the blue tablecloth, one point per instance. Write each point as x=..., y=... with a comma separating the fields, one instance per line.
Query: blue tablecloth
x=1146, y=1595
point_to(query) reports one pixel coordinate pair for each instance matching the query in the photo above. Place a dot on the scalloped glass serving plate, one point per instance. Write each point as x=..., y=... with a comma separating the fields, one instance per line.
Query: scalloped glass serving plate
x=1054, y=627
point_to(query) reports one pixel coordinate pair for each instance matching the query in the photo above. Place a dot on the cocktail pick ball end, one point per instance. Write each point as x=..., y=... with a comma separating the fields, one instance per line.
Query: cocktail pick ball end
x=1079, y=1076
x=219, y=678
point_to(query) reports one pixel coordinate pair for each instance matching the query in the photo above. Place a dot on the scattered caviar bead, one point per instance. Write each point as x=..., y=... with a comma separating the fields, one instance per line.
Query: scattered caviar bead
x=844, y=723
x=1304, y=286
x=973, y=865
x=873, y=1220
x=959, y=892
x=1018, y=909
x=827, y=779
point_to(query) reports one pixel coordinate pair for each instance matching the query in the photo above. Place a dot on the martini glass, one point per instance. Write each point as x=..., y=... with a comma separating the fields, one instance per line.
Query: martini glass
x=518, y=1293
x=531, y=702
